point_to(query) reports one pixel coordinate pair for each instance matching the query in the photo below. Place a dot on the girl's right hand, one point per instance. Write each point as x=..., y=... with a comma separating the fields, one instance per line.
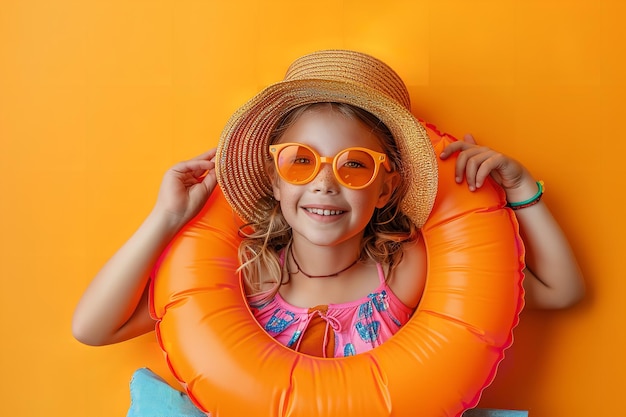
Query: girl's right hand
x=186, y=187
x=114, y=306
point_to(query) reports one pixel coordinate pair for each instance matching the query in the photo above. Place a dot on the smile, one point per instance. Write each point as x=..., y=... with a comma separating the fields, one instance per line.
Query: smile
x=322, y=212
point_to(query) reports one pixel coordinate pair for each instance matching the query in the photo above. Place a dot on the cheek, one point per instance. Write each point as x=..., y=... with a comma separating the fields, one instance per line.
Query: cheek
x=285, y=193
x=366, y=201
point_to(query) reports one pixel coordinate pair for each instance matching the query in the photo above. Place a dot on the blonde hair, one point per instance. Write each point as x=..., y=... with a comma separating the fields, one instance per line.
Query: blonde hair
x=265, y=241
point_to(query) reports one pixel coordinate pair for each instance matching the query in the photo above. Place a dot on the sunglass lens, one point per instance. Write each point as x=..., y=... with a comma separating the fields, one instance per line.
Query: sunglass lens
x=296, y=164
x=355, y=168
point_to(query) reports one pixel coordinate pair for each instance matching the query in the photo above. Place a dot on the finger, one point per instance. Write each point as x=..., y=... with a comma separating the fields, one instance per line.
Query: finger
x=452, y=148
x=465, y=168
x=208, y=155
x=473, y=164
x=485, y=169
x=210, y=181
x=196, y=168
x=194, y=165
x=495, y=166
x=469, y=138
x=200, y=191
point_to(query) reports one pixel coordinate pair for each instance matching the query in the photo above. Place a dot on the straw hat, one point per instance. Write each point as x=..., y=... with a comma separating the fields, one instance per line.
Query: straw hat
x=325, y=76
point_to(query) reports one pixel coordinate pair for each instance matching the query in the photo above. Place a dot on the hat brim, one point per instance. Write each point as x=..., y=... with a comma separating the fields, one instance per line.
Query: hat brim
x=242, y=151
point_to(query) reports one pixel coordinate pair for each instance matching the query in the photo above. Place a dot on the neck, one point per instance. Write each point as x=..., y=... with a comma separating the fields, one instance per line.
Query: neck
x=298, y=269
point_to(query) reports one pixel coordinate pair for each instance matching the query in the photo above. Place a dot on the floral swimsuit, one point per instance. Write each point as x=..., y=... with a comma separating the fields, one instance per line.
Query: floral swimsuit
x=335, y=330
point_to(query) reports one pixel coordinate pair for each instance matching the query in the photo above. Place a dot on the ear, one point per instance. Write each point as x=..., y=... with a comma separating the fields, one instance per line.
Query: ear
x=276, y=191
x=390, y=183
x=271, y=173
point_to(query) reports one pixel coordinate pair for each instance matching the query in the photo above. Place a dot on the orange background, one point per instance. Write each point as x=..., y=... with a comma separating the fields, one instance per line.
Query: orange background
x=99, y=98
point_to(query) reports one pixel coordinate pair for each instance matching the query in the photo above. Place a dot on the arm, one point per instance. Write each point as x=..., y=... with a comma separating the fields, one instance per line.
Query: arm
x=114, y=306
x=553, y=278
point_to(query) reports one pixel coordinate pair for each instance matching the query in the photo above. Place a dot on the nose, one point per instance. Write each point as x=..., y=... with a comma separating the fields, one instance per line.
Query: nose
x=325, y=181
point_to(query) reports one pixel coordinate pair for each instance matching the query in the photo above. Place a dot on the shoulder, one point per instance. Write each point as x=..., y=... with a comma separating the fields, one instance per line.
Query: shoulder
x=409, y=277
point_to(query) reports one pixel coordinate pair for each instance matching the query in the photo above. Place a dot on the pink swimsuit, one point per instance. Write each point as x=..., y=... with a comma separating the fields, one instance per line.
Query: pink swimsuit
x=335, y=330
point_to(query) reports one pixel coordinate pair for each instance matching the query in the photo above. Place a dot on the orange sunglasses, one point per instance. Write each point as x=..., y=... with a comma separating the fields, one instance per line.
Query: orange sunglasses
x=354, y=168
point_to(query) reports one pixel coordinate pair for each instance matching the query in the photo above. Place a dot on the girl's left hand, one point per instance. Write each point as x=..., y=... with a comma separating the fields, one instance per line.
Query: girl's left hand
x=477, y=162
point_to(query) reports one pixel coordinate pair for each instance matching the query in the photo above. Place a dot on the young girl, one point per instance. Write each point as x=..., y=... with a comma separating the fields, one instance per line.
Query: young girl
x=335, y=184
x=340, y=245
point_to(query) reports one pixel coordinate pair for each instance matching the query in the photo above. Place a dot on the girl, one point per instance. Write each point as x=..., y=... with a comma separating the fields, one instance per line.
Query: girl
x=336, y=177
x=339, y=240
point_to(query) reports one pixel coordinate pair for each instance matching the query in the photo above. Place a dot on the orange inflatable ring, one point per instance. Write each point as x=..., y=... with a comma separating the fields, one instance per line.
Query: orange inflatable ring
x=436, y=365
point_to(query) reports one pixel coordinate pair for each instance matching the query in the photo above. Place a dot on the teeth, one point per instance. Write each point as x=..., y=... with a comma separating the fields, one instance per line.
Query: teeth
x=324, y=212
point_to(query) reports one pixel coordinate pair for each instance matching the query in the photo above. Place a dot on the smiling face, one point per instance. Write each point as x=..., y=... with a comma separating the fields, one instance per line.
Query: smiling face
x=323, y=212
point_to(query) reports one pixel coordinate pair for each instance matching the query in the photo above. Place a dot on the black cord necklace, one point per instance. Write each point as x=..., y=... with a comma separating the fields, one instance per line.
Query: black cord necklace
x=316, y=276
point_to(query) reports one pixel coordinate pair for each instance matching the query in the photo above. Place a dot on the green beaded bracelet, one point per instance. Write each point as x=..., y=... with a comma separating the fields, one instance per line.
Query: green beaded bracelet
x=531, y=201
